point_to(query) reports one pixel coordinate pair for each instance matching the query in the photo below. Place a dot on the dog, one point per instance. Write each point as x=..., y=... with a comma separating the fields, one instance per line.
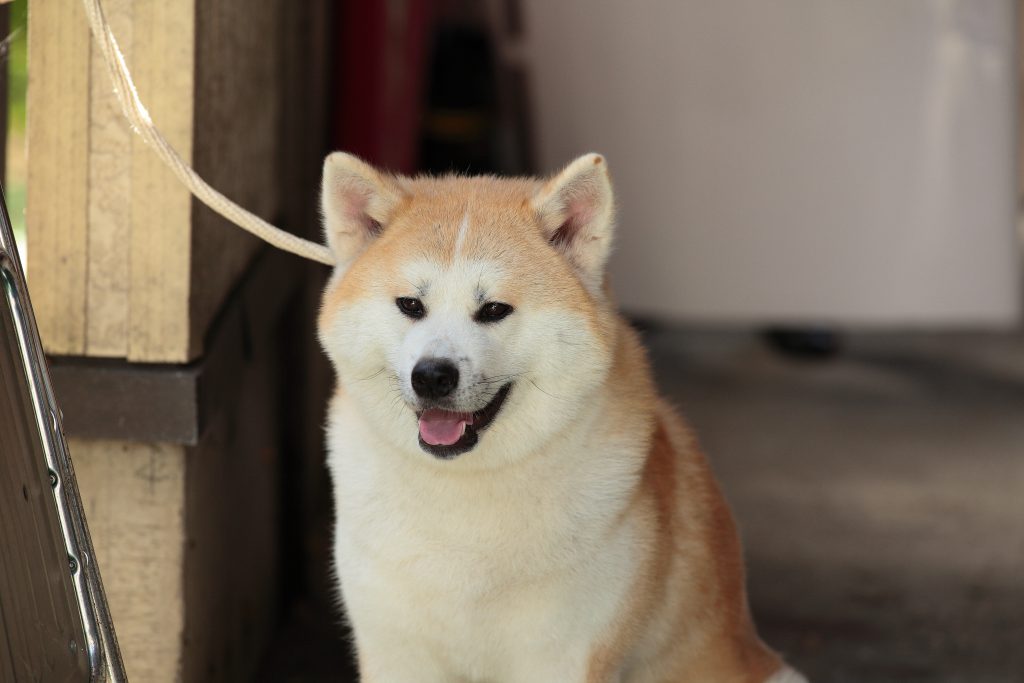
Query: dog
x=514, y=503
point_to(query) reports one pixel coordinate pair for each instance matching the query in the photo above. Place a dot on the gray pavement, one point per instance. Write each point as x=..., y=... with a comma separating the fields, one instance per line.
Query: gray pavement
x=880, y=495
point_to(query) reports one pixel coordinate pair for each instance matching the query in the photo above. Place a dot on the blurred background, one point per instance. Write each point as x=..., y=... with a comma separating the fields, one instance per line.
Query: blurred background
x=817, y=235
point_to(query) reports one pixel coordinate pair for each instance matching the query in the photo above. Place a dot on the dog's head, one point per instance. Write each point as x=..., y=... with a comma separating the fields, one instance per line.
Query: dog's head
x=468, y=314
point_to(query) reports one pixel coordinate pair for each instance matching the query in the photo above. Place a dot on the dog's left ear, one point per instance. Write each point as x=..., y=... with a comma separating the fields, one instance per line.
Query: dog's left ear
x=576, y=211
x=357, y=201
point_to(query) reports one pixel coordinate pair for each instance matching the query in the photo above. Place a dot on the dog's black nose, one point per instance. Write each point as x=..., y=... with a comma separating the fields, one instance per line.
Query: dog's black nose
x=434, y=377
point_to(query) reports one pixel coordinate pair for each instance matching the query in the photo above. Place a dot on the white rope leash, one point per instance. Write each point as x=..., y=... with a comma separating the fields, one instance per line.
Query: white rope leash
x=141, y=122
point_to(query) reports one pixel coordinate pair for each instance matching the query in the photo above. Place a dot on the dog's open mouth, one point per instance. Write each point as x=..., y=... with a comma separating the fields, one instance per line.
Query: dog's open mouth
x=446, y=434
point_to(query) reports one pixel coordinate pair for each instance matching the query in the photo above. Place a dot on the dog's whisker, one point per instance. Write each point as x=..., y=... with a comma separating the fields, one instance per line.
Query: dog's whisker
x=546, y=393
x=499, y=379
x=396, y=400
x=376, y=374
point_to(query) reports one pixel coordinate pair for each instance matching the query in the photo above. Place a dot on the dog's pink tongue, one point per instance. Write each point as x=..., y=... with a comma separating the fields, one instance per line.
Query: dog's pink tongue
x=442, y=428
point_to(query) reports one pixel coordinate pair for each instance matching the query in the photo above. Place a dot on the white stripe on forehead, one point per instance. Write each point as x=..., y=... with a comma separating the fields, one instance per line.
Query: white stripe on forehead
x=463, y=229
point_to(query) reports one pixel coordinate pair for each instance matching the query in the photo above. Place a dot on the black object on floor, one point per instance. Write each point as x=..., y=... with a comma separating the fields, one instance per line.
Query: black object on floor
x=805, y=342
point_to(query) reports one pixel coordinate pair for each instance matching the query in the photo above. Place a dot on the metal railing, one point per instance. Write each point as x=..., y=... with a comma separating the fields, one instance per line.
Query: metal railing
x=54, y=620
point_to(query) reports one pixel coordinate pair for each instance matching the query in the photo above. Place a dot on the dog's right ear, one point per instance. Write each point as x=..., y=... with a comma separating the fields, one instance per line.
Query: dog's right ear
x=357, y=203
x=576, y=211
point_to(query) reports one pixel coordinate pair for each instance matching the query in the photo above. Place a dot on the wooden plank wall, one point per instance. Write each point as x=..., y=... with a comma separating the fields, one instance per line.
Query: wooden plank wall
x=108, y=226
x=134, y=499
x=123, y=263
x=186, y=539
x=109, y=217
x=231, y=564
x=238, y=48
x=159, y=261
x=57, y=201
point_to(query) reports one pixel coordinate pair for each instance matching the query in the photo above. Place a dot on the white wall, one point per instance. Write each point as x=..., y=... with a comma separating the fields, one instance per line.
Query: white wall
x=845, y=161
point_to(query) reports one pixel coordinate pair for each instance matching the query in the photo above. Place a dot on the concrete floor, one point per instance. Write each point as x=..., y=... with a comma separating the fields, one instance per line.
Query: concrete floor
x=880, y=495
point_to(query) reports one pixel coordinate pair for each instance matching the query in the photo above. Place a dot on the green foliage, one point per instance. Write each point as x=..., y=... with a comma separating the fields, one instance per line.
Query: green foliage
x=17, y=65
x=15, y=60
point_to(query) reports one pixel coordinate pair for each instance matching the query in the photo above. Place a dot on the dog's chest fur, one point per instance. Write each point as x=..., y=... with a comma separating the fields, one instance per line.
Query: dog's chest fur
x=474, y=562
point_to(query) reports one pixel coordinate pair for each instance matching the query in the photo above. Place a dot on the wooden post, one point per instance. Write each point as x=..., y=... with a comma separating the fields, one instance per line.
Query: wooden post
x=134, y=495
x=57, y=199
x=178, y=429
x=123, y=265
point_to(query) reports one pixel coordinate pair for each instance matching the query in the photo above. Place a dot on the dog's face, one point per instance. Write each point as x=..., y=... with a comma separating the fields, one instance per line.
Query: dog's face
x=467, y=314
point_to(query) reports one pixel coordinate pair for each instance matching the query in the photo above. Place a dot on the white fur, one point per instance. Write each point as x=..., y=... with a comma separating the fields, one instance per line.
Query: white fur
x=460, y=239
x=449, y=572
x=447, y=579
x=551, y=356
x=786, y=675
x=448, y=331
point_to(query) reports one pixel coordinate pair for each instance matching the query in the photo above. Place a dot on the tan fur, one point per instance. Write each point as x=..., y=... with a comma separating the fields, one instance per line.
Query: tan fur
x=694, y=570
x=683, y=613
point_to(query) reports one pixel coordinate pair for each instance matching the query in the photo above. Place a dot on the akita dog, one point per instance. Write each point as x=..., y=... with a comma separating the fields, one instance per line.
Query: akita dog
x=514, y=502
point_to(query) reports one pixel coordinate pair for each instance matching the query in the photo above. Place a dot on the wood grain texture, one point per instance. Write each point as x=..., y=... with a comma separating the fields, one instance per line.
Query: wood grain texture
x=128, y=267
x=134, y=498
x=237, y=140
x=58, y=140
x=231, y=565
x=110, y=195
x=187, y=536
x=163, y=57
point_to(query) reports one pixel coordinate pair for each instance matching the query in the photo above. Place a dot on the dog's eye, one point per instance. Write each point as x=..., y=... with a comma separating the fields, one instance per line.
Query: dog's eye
x=492, y=312
x=411, y=307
